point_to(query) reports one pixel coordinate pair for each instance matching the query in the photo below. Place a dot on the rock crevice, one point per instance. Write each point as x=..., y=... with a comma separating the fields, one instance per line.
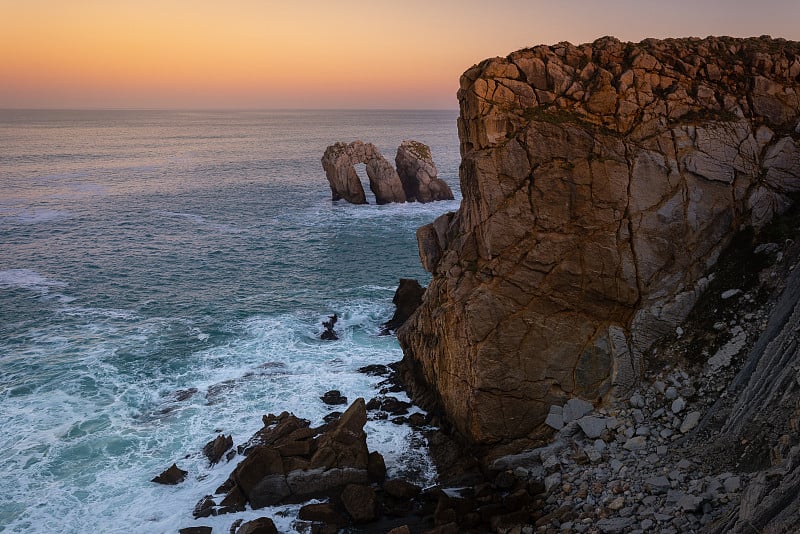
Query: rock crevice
x=600, y=184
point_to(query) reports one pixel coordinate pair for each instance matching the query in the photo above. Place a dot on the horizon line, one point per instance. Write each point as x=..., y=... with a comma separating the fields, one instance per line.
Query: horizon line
x=260, y=109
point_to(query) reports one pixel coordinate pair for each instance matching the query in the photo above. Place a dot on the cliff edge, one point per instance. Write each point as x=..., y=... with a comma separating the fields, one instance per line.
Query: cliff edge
x=600, y=184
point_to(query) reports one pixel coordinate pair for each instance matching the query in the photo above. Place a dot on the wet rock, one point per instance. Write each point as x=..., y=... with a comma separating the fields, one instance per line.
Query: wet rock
x=401, y=489
x=407, y=299
x=375, y=370
x=205, y=507
x=333, y=398
x=360, y=503
x=323, y=513
x=400, y=530
x=262, y=525
x=329, y=334
x=195, y=530
x=216, y=448
x=171, y=476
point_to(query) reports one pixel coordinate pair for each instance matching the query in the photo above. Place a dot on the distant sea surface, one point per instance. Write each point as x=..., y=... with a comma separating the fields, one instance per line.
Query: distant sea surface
x=163, y=278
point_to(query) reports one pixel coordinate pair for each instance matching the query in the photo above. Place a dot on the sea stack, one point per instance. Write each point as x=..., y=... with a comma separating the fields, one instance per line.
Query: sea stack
x=600, y=184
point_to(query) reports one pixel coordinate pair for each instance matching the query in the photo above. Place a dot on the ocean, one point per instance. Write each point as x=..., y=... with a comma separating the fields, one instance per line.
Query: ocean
x=163, y=278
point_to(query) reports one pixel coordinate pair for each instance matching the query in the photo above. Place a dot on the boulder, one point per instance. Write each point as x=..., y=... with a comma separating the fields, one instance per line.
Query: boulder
x=600, y=185
x=418, y=173
x=360, y=503
x=401, y=489
x=333, y=397
x=171, y=476
x=322, y=513
x=262, y=525
x=216, y=448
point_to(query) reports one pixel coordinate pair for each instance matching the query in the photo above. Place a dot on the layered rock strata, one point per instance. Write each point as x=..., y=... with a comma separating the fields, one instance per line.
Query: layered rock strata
x=600, y=183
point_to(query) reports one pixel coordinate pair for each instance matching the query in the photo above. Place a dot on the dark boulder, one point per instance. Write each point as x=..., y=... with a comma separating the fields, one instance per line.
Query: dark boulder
x=330, y=334
x=216, y=448
x=195, y=530
x=360, y=502
x=333, y=397
x=322, y=513
x=205, y=507
x=376, y=467
x=262, y=525
x=400, y=489
x=171, y=476
x=407, y=299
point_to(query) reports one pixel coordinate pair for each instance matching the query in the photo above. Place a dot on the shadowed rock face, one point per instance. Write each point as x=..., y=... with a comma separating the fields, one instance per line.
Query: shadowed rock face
x=600, y=183
x=339, y=160
x=418, y=173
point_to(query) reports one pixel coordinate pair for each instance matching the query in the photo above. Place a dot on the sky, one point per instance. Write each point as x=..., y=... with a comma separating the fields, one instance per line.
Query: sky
x=326, y=54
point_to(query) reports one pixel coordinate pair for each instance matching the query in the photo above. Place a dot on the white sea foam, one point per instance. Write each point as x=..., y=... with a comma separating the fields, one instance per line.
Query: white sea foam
x=92, y=443
x=27, y=279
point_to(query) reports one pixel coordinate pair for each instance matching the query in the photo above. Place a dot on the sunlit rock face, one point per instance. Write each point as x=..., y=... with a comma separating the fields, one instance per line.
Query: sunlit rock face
x=415, y=179
x=419, y=175
x=600, y=183
x=339, y=164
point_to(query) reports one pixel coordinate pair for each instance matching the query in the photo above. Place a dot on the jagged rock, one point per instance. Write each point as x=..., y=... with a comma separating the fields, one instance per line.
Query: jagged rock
x=339, y=160
x=171, y=476
x=287, y=460
x=600, y=183
x=418, y=173
x=205, y=507
x=329, y=334
x=216, y=448
x=406, y=299
x=262, y=525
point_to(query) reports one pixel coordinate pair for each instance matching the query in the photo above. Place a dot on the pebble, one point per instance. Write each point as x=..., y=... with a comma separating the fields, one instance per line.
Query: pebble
x=678, y=405
x=635, y=443
x=690, y=422
x=592, y=426
x=671, y=393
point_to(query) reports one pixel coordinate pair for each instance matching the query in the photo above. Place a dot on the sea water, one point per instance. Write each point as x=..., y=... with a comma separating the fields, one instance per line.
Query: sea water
x=163, y=278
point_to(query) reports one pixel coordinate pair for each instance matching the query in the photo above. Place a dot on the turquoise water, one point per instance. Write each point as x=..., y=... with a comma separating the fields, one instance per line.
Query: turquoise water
x=163, y=277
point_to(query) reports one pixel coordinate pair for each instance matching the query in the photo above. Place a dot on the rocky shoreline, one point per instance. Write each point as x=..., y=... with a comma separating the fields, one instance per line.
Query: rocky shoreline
x=656, y=461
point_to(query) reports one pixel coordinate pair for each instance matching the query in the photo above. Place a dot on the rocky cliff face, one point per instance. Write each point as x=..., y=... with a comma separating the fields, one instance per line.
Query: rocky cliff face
x=600, y=183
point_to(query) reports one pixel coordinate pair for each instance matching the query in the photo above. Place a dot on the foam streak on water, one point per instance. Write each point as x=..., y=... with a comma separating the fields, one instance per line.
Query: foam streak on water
x=163, y=278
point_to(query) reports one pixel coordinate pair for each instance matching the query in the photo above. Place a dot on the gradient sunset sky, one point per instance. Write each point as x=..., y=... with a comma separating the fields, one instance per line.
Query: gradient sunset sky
x=315, y=54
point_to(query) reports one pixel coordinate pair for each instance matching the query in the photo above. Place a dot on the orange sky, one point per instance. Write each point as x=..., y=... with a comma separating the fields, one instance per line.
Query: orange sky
x=314, y=54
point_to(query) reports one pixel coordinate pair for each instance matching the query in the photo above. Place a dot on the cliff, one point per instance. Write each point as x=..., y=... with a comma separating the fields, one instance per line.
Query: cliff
x=600, y=184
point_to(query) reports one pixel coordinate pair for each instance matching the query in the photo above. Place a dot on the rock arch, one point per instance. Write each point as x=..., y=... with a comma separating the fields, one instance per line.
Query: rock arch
x=339, y=160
